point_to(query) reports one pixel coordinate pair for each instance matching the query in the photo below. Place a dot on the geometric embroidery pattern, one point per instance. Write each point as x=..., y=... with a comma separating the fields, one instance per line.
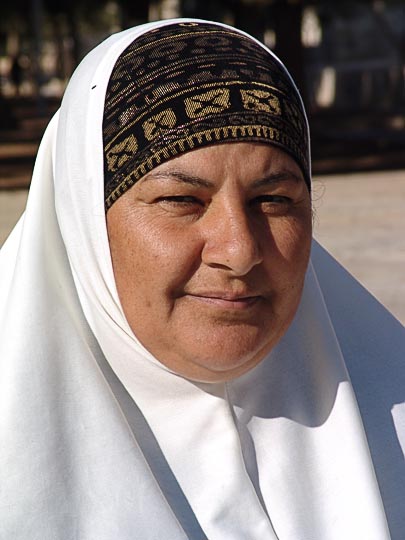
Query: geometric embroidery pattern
x=118, y=154
x=159, y=123
x=211, y=102
x=259, y=100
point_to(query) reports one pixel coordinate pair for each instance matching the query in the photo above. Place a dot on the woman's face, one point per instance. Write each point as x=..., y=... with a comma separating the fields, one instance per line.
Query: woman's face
x=209, y=252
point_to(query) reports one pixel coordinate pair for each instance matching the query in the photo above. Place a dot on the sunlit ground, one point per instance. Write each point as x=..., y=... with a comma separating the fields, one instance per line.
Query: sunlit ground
x=360, y=220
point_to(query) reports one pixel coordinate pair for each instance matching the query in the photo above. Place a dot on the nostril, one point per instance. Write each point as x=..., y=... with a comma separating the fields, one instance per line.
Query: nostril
x=235, y=247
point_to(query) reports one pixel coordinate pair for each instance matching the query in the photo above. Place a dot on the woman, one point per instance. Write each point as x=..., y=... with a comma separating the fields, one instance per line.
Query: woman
x=169, y=368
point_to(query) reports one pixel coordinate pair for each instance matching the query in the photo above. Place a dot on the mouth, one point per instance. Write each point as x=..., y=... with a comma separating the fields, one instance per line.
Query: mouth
x=225, y=301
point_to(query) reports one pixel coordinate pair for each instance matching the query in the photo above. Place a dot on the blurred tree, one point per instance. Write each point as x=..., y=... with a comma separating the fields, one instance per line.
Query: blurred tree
x=287, y=17
x=73, y=12
x=212, y=10
x=133, y=13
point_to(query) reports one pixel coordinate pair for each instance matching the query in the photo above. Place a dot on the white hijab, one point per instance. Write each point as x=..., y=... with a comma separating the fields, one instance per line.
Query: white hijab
x=99, y=441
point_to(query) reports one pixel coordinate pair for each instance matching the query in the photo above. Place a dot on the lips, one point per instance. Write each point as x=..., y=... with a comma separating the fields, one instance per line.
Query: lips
x=225, y=300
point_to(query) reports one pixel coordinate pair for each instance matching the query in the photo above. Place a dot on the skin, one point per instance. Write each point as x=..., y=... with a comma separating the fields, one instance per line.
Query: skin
x=209, y=252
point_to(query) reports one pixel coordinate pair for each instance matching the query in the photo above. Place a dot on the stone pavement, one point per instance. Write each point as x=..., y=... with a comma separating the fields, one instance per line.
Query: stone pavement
x=359, y=219
x=12, y=203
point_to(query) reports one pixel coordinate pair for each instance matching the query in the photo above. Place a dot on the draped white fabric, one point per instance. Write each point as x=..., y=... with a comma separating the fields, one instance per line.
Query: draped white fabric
x=100, y=441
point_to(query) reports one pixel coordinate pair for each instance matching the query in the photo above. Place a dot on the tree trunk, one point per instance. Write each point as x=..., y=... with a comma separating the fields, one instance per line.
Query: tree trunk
x=287, y=25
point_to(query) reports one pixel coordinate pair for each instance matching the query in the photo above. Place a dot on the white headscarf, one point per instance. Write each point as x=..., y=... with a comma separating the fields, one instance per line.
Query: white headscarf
x=100, y=441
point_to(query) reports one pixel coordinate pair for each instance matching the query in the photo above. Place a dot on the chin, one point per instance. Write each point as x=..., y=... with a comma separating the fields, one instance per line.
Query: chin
x=219, y=365
x=225, y=357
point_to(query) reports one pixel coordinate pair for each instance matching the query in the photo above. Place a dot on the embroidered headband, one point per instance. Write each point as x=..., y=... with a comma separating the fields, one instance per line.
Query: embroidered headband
x=193, y=84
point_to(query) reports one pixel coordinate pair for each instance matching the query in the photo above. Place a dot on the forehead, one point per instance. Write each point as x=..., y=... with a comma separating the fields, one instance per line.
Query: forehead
x=244, y=161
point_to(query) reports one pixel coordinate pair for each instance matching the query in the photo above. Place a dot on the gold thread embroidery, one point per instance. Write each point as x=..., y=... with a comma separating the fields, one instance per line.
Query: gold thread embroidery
x=259, y=100
x=154, y=125
x=121, y=152
x=191, y=33
x=212, y=102
x=179, y=94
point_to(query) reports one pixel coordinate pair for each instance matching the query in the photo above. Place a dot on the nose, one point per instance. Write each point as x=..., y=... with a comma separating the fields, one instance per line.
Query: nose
x=231, y=241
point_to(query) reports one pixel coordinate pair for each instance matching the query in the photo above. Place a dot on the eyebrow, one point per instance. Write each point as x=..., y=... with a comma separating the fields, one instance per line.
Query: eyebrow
x=196, y=181
x=277, y=178
x=181, y=178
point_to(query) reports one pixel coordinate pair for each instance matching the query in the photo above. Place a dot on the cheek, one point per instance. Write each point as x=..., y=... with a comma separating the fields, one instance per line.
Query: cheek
x=151, y=258
x=168, y=253
x=292, y=240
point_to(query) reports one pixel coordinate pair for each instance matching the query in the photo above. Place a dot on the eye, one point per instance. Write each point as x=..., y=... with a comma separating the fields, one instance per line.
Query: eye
x=273, y=204
x=181, y=205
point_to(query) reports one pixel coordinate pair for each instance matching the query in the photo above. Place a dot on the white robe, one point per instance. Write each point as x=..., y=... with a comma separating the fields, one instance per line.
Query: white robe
x=98, y=440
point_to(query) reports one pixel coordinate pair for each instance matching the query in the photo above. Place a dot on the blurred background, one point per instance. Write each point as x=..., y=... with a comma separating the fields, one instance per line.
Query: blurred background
x=347, y=58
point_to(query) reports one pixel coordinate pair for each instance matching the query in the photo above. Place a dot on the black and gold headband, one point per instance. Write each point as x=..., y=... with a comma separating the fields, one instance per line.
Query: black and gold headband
x=193, y=84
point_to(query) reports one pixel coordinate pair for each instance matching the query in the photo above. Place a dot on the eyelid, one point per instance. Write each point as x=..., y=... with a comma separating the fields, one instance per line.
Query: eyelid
x=190, y=199
x=272, y=198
